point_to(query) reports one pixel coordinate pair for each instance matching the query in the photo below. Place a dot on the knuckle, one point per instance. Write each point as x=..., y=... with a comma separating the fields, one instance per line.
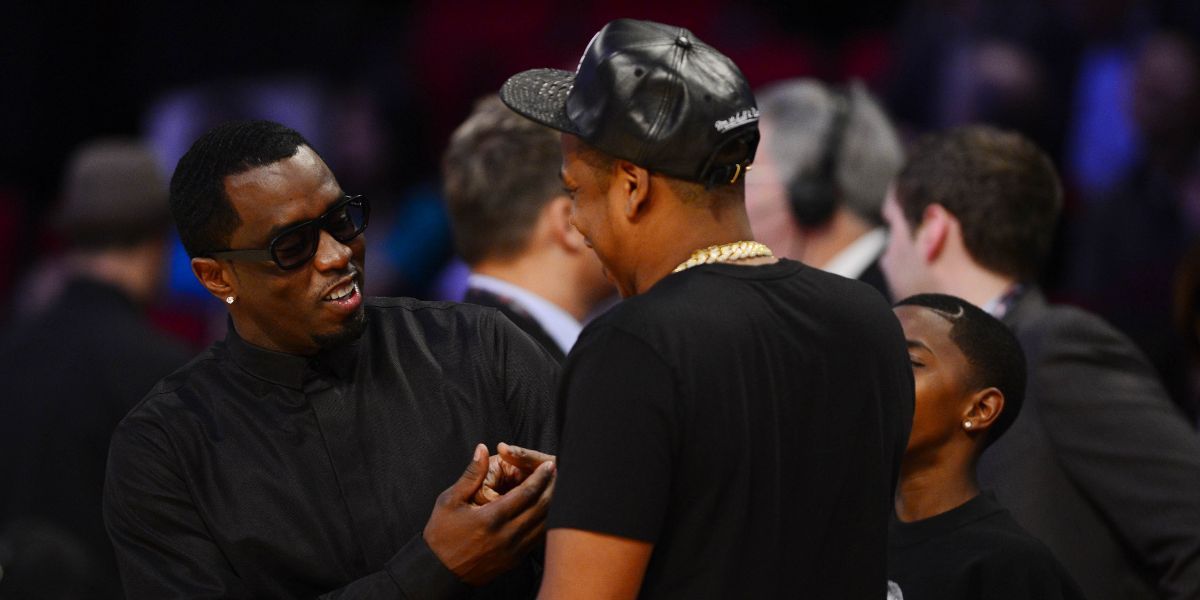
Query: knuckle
x=494, y=522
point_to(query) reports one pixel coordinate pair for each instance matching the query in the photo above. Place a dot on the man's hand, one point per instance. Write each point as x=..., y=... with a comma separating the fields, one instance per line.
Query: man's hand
x=477, y=543
x=507, y=469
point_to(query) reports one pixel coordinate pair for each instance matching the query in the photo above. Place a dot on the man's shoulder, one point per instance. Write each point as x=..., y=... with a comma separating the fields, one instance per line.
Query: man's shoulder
x=712, y=302
x=177, y=396
x=1007, y=548
x=400, y=307
x=1055, y=329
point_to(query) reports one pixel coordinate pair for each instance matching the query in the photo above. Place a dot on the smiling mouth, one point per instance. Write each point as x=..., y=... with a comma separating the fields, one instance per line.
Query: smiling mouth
x=342, y=292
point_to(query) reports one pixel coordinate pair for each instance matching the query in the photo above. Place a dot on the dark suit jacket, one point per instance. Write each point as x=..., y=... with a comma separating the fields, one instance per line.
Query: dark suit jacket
x=873, y=275
x=518, y=316
x=69, y=376
x=1100, y=465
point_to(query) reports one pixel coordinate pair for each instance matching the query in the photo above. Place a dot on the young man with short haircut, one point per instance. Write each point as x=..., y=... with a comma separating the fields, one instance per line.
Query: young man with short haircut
x=948, y=540
x=1100, y=465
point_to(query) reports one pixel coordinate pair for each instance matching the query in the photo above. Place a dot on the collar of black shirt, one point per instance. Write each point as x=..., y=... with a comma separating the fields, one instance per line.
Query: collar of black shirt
x=290, y=370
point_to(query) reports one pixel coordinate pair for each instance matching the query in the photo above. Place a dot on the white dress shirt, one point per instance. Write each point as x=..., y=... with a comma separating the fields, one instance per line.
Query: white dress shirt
x=855, y=258
x=558, y=323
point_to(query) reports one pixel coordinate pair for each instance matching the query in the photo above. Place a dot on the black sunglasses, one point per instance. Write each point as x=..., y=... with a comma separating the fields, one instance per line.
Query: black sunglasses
x=298, y=243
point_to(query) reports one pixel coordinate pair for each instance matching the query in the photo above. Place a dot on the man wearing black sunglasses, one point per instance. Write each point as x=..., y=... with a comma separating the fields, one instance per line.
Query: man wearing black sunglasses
x=302, y=455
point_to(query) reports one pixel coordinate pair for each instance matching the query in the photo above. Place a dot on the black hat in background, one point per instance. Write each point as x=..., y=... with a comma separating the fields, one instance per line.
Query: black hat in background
x=651, y=94
x=113, y=194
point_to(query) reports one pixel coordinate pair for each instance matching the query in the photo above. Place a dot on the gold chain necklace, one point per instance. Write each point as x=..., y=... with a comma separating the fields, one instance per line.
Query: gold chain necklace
x=724, y=253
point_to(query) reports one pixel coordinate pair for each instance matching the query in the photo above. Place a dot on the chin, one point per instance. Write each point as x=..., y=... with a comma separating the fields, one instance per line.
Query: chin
x=351, y=330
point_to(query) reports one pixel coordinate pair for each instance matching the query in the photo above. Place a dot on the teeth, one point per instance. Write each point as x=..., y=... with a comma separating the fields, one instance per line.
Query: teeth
x=343, y=291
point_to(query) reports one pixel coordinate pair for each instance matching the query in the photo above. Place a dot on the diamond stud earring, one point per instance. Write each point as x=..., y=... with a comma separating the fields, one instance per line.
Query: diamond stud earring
x=229, y=300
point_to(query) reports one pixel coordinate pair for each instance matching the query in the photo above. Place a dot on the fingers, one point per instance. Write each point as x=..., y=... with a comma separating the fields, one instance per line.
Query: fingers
x=525, y=495
x=472, y=479
x=485, y=495
x=531, y=526
x=493, y=481
x=523, y=457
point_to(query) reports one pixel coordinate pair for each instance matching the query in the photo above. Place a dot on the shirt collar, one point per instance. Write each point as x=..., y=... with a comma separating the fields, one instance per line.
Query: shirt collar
x=558, y=323
x=1001, y=305
x=855, y=258
x=290, y=370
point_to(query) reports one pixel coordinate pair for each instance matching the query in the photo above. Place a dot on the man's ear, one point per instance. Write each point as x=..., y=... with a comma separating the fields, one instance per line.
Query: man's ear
x=933, y=232
x=633, y=182
x=214, y=277
x=985, y=407
x=556, y=217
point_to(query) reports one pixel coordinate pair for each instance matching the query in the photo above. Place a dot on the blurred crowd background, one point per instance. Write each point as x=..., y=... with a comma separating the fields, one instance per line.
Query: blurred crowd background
x=1111, y=88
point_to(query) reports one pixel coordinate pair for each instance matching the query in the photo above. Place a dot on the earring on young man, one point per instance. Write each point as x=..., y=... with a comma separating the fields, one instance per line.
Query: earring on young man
x=228, y=299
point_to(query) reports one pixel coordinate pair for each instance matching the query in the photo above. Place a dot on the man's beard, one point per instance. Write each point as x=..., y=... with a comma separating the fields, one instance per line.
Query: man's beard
x=351, y=330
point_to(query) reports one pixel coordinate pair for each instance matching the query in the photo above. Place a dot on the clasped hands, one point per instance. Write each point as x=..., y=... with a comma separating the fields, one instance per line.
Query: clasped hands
x=486, y=522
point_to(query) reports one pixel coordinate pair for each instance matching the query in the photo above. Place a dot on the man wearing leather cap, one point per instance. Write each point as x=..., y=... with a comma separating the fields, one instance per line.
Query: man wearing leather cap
x=697, y=415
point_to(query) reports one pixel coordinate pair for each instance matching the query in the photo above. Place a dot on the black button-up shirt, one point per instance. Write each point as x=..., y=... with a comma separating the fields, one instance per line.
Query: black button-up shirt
x=251, y=473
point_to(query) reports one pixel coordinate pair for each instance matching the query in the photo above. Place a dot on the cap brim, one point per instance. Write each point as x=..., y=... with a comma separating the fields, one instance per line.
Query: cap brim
x=541, y=95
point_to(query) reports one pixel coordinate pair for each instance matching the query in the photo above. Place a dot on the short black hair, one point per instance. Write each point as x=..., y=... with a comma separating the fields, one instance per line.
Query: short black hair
x=202, y=211
x=1000, y=186
x=991, y=349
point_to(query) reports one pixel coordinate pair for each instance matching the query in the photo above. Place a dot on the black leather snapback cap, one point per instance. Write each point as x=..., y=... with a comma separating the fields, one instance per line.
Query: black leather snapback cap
x=651, y=94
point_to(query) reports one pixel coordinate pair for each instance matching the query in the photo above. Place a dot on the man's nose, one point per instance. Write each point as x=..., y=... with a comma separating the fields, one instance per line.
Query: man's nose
x=331, y=254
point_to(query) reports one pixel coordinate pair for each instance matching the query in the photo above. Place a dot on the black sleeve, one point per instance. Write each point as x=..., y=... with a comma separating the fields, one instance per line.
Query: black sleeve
x=415, y=572
x=1126, y=445
x=618, y=438
x=529, y=375
x=164, y=550
x=162, y=546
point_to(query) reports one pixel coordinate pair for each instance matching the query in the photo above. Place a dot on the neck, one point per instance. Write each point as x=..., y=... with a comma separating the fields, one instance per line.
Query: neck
x=548, y=276
x=135, y=271
x=933, y=485
x=686, y=234
x=974, y=284
x=824, y=242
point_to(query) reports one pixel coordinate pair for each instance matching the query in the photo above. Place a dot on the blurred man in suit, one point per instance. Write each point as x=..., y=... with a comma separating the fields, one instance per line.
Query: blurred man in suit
x=511, y=223
x=827, y=157
x=73, y=372
x=1100, y=465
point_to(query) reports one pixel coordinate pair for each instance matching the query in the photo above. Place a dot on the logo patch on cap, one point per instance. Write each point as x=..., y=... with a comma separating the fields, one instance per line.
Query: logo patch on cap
x=741, y=118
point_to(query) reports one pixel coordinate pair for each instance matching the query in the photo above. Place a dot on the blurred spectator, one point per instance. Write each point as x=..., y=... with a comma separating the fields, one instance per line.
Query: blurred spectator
x=825, y=160
x=77, y=368
x=1099, y=465
x=1126, y=252
x=512, y=226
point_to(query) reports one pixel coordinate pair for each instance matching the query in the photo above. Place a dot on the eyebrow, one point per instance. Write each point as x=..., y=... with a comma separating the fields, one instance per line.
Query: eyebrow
x=278, y=229
x=919, y=345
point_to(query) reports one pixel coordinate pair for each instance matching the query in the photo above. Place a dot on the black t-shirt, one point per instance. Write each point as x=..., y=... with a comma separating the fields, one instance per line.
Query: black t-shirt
x=974, y=551
x=748, y=422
